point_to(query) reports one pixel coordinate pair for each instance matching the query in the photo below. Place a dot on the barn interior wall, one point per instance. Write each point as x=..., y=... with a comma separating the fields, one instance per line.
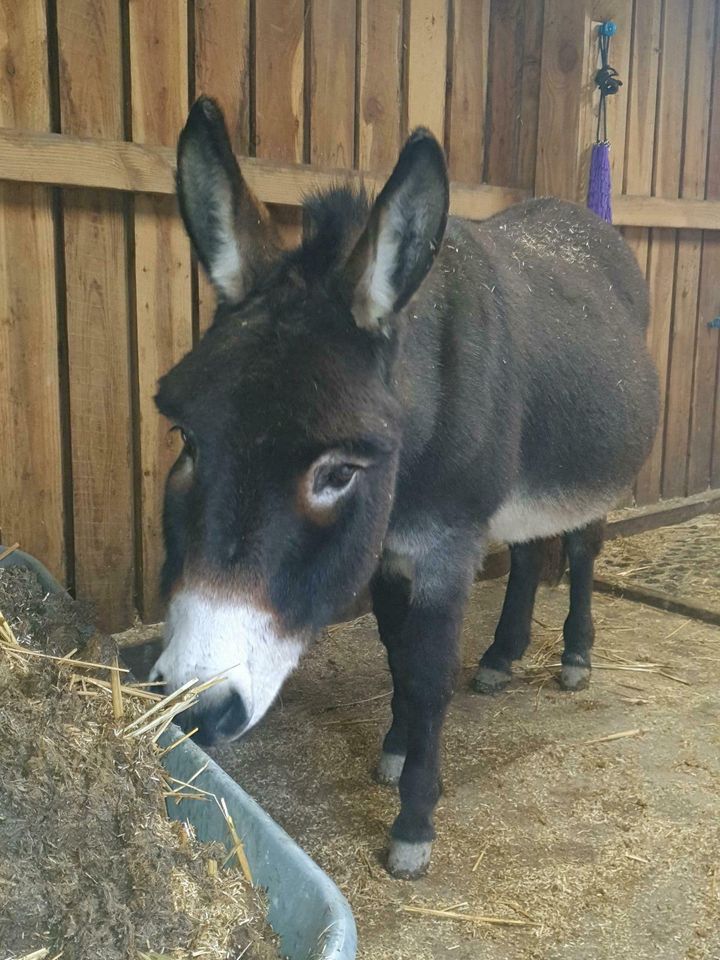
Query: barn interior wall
x=99, y=293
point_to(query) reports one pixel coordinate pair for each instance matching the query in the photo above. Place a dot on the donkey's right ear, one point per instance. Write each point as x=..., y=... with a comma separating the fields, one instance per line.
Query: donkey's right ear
x=230, y=229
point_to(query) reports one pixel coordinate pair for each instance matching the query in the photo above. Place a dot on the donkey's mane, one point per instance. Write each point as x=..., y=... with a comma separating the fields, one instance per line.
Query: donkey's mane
x=332, y=222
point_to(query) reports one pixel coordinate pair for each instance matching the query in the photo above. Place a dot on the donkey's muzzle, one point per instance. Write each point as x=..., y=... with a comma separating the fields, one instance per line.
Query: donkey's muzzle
x=224, y=718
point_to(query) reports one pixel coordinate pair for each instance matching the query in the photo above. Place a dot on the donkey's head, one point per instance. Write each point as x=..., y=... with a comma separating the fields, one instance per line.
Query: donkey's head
x=276, y=509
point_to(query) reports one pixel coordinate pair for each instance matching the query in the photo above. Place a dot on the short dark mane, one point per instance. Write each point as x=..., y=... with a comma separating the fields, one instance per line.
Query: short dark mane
x=332, y=222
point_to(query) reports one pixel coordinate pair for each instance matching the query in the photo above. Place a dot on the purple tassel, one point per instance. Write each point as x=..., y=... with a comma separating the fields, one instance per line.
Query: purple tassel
x=599, y=188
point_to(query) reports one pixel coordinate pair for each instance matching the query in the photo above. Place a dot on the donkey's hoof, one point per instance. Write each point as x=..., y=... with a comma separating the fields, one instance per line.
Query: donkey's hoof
x=489, y=680
x=389, y=768
x=574, y=678
x=408, y=861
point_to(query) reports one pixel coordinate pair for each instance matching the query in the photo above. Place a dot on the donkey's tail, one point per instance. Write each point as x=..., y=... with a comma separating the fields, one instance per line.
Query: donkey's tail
x=554, y=560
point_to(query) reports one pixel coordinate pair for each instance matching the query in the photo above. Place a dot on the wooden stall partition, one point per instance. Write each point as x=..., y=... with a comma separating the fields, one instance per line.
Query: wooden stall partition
x=332, y=83
x=704, y=440
x=426, y=65
x=678, y=417
x=663, y=243
x=32, y=505
x=511, y=128
x=379, y=98
x=315, y=92
x=465, y=124
x=221, y=37
x=97, y=317
x=163, y=294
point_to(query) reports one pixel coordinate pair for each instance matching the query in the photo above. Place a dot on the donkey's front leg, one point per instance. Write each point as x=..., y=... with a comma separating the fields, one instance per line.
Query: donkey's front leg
x=427, y=665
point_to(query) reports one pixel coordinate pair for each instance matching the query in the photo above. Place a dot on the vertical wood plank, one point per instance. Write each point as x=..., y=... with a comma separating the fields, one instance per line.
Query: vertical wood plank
x=380, y=74
x=516, y=28
x=706, y=385
x=91, y=105
x=31, y=480
x=530, y=94
x=663, y=243
x=280, y=94
x=563, y=85
x=692, y=184
x=222, y=62
x=621, y=12
x=279, y=66
x=505, y=84
x=158, y=62
x=706, y=388
x=332, y=83
x=222, y=71
x=427, y=65
x=641, y=92
x=465, y=133
x=640, y=129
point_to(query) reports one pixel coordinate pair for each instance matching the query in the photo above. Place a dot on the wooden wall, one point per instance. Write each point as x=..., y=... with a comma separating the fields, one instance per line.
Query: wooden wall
x=99, y=294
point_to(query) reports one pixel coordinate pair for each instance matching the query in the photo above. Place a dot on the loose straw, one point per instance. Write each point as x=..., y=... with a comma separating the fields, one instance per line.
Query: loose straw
x=468, y=917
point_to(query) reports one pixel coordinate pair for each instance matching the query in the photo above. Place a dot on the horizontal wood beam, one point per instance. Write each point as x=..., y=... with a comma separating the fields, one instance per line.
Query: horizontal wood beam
x=61, y=160
x=116, y=165
x=639, y=593
x=635, y=211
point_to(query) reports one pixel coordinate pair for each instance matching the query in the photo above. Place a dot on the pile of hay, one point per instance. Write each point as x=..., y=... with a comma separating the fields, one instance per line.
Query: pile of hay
x=90, y=865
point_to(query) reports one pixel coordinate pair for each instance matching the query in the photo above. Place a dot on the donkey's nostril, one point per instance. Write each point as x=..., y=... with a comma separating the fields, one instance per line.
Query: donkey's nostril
x=157, y=680
x=224, y=720
x=234, y=720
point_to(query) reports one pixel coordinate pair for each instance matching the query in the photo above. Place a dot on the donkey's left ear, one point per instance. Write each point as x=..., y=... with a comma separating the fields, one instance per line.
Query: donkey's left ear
x=229, y=227
x=403, y=234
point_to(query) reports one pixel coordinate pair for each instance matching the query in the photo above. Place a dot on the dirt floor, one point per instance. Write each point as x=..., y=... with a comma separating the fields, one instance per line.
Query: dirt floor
x=608, y=850
x=682, y=560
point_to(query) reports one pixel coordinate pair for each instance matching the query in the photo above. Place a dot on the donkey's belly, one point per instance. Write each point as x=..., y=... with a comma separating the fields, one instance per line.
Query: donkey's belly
x=527, y=516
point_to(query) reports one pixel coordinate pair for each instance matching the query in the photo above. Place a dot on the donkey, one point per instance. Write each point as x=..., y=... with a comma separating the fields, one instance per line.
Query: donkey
x=374, y=407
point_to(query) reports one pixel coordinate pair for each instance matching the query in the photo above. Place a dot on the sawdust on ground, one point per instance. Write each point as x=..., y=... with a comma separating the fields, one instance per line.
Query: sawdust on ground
x=681, y=560
x=607, y=850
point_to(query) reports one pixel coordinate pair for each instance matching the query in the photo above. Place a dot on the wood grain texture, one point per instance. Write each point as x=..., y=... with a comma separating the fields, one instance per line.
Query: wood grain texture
x=513, y=91
x=222, y=63
x=427, y=36
x=96, y=309
x=706, y=380
x=692, y=184
x=534, y=11
x=50, y=158
x=31, y=476
x=641, y=93
x=505, y=54
x=663, y=244
x=380, y=74
x=465, y=129
x=332, y=83
x=562, y=87
x=222, y=71
x=137, y=168
x=621, y=11
x=158, y=38
x=279, y=66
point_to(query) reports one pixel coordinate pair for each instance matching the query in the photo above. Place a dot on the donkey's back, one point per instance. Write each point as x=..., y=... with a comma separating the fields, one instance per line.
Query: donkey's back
x=547, y=309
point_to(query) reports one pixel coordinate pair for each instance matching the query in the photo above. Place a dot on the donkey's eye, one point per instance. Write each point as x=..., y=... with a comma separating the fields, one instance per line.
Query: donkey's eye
x=335, y=476
x=186, y=439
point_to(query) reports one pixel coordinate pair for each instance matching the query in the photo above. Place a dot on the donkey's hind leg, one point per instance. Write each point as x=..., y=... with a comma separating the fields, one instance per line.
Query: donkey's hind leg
x=391, y=600
x=582, y=546
x=512, y=634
